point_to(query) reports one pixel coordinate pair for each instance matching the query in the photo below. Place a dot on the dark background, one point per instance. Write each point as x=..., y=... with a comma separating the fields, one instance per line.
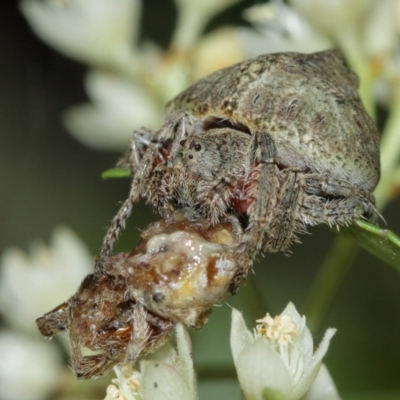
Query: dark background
x=49, y=179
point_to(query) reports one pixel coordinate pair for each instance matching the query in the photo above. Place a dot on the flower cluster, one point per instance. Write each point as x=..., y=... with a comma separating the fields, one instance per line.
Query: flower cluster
x=167, y=374
x=129, y=83
x=29, y=286
x=277, y=361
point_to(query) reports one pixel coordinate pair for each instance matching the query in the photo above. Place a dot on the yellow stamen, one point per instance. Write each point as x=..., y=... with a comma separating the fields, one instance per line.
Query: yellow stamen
x=281, y=330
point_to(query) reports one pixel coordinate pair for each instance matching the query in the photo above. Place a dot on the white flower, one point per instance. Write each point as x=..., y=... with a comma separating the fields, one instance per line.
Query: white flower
x=381, y=38
x=93, y=31
x=278, y=360
x=383, y=28
x=332, y=17
x=32, y=285
x=323, y=387
x=279, y=28
x=216, y=50
x=29, y=367
x=167, y=375
x=193, y=15
x=119, y=106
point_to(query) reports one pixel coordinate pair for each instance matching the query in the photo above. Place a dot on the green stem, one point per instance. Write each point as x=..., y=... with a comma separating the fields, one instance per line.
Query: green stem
x=328, y=280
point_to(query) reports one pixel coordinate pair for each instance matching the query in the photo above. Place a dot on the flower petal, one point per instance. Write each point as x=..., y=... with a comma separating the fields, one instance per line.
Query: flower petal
x=218, y=49
x=119, y=106
x=193, y=16
x=291, y=311
x=279, y=28
x=163, y=381
x=184, y=347
x=323, y=387
x=312, y=370
x=380, y=42
x=259, y=367
x=303, y=346
x=28, y=367
x=332, y=16
x=165, y=353
x=240, y=335
x=31, y=286
x=93, y=31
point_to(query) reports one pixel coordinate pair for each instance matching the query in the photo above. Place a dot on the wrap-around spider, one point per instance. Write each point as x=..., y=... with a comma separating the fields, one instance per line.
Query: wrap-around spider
x=273, y=143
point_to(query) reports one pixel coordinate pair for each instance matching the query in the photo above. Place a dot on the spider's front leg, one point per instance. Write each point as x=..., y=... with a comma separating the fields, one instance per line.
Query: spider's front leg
x=262, y=173
x=214, y=198
x=140, y=141
x=272, y=214
x=285, y=222
x=145, y=156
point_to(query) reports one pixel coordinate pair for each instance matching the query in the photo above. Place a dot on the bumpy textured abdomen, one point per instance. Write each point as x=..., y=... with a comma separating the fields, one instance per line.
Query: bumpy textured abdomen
x=307, y=102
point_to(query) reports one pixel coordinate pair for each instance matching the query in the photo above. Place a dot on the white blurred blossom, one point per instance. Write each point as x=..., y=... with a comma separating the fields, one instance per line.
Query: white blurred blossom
x=333, y=17
x=167, y=375
x=118, y=105
x=382, y=30
x=140, y=79
x=31, y=285
x=193, y=15
x=29, y=367
x=93, y=31
x=278, y=361
x=278, y=28
x=218, y=49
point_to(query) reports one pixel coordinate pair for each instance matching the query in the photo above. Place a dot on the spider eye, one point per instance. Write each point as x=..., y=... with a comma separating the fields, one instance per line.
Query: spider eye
x=197, y=147
x=190, y=156
x=182, y=142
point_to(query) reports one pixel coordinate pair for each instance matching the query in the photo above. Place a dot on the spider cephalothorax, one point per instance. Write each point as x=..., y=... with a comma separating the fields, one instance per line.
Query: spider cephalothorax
x=273, y=143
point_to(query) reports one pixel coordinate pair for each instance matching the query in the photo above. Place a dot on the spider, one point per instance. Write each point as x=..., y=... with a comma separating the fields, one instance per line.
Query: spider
x=274, y=143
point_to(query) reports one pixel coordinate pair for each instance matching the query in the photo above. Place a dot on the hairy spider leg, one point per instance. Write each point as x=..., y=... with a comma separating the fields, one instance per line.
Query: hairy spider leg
x=153, y=155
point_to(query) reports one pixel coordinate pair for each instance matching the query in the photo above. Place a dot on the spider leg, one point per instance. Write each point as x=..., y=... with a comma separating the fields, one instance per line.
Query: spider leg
x=161, y=188
x=185, y=127
x=159, y=193
x=139, y=142
x=157, y=152
x=150, y=331
x=87, y=366
x=341, y=201
x=273, y=220
x=284, y=224
x=213, y=199
x=140, y=334
x=118, y=223
x=262, y=171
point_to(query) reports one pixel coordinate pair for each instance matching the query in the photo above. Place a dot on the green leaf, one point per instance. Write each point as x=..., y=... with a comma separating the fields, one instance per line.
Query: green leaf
x=116, y=173
x=383, y=243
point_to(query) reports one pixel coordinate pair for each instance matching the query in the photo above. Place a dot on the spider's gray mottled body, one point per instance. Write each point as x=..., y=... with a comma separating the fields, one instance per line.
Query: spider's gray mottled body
x=273, y=144
x=307, y=103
